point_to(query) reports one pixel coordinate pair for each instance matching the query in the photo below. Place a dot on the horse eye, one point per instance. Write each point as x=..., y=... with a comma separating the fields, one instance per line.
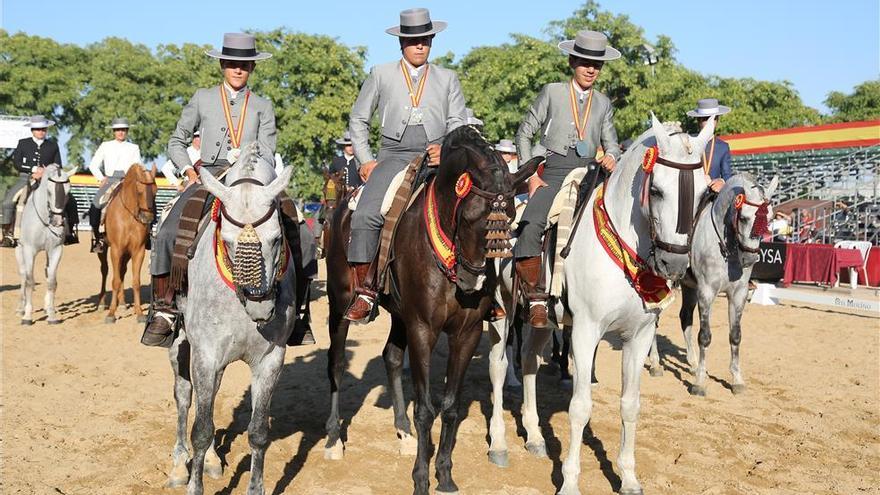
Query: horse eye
x=744, y=220
x=656, y=192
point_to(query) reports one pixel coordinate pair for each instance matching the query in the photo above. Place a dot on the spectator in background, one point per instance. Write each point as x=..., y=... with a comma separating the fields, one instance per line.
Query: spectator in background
x=716, y=157
x=780, y=227
x=170, y=171
x=508, y=154
x=346, y=161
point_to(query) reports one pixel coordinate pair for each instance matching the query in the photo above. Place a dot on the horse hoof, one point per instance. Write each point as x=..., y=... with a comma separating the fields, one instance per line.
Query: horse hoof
x=409, y=446
x=109, y=319
x=27, y=323
x=655, y=372
x=698, y=391
x=54, y=322
x=177, y=481
x=634, y=491
x=538, y=450
x=446, y=489
x=738, y=388
x=142, y=318
x=334, y=453
x=499, y=458
x=214, y=471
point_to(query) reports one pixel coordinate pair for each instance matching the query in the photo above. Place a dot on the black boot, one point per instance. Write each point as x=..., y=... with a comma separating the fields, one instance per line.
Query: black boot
x=8, y=240
x=162, y=317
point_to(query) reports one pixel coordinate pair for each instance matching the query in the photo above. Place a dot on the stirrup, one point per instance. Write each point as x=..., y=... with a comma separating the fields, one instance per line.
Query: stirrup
x=363, y=307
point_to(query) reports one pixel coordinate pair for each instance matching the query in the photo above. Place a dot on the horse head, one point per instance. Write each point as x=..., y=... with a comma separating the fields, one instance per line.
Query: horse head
x=251, y=230
x=672, y=183
x=56, y=182
x=140, y=187
x=745, y=207
x=473, y=194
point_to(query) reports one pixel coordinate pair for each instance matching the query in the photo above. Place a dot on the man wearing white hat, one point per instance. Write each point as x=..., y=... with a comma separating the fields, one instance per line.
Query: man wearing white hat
x=346, y=161
x=716, y=157
x=193, y=151
x=228, y=117
x=574, y=120
x=116, y=157
x=508, y=154
x=29, y=158
x=418, y=104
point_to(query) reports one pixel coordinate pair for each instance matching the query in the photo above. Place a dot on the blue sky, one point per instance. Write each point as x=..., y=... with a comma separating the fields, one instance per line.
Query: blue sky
x=818, y=46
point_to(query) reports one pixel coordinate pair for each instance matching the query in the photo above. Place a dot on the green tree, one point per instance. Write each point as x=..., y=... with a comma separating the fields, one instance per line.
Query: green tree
x=862, y=104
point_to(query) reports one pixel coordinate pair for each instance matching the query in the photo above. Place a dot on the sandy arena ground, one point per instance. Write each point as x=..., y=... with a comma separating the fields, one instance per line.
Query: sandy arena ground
x=87, y=410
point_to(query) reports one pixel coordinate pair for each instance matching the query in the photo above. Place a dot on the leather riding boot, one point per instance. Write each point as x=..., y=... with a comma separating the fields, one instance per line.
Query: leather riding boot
x=8, y=240
x=495, y=313
x=529, y=271
x=162, y=315
x=364, y=300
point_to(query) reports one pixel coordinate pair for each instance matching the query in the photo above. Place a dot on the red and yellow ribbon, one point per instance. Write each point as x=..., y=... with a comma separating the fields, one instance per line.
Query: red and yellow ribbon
x=443, y=246
x=235, y=133
x=580, y=122
x=414, y=96
x=651, y=288
x=707, y=163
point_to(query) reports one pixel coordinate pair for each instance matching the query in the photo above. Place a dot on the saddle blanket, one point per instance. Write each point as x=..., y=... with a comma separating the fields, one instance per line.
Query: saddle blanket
x=396, y=182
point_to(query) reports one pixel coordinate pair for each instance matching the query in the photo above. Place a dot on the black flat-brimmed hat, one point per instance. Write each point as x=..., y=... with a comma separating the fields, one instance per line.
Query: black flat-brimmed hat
x=590, y=44
x=39, y=122
x=345, y=140
x=708, y=107
x=119, y=123
x=415, y=23
x=239, y=46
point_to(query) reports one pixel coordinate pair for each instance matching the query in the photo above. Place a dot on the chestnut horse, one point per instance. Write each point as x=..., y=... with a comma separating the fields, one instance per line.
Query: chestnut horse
x=127, y=228
x=468, y=200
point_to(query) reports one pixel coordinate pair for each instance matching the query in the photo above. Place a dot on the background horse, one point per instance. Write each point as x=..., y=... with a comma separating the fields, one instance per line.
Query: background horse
x=724, y=248
x=127, y=227
x=332, y=195
x=42, y=229
x=651, y=210
x=426, y=300
x=240, y=306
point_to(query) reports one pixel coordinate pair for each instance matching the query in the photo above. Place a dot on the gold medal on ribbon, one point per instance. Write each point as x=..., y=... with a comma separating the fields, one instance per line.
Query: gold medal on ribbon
x=235, y=132
x=415, y=96
x=580, y=122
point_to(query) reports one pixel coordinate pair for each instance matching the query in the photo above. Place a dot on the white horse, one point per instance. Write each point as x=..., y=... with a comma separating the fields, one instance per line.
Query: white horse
x=42, y=229
x=725, y=246
x=651, y=210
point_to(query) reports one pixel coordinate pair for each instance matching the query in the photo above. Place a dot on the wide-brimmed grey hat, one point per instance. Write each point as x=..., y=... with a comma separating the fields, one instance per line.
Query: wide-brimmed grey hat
x=346, y=139
x=39, y=122
x=505, y=146
x=239, y=46
x=119, y=123
x=708, y=107
x=590, y=44
x=415, y=23
x=471, y=119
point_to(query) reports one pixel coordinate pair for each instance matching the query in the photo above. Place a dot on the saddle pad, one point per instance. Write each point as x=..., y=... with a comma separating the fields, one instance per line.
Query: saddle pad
x=108, y=194
x=389, y=194
x=519, y=204
x=567, y=196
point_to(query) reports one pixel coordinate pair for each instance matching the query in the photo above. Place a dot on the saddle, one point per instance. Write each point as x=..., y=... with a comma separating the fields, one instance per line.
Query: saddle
x=390, y=193
x=104, y=200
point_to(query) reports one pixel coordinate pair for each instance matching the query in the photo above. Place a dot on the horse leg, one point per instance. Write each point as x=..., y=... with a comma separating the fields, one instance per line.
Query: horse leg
x=535, y=341
x=420, y=341
x=704, y=302
x=735, y=304
x=264, y=377
x=137, y=260
x=206, y=375
x=634, y=353
x=178, y=354
x=584, y=341
x=338, y=326
x=105, y=268
x=53, y=260
x=498, y=363
x=565, y=354
x=461, y=350
x=118, y=274
x=393, y=356
x=26, y=271
x=654, y=368
x=686, y=316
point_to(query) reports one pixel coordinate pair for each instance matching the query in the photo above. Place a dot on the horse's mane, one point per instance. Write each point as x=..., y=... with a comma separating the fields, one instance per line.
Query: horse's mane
x=463, y=139
x=252, y=164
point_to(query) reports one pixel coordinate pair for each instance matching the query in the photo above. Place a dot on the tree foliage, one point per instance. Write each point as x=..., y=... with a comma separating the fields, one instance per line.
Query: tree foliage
x=862, y=104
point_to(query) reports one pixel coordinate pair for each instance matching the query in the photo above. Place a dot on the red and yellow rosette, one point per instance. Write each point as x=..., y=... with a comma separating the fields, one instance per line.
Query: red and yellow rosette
x=463, y=185
x=650, y=159
x=739, y=200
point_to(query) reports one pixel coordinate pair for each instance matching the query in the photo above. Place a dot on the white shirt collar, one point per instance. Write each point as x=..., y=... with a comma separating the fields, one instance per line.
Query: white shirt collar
x=347, y=156
x=414, y=72
x=580, y=92
x=38, y=141
x=233, y=93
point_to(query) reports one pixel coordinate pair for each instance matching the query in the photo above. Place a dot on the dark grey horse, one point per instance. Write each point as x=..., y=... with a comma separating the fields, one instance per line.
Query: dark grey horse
x=240, y=307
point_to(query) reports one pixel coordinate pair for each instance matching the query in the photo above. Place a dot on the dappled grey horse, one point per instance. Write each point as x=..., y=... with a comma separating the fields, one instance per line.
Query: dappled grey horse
x=724, y=249
x=649, y=204
x=239, y=307
x=42, y=229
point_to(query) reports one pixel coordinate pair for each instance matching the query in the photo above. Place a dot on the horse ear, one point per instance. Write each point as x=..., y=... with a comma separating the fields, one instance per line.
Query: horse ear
x=705, y=135
x=72, y=170
x=774, y=183
x=659, y=133
x=527, y=170
x=213, y=185
x=278, y=185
